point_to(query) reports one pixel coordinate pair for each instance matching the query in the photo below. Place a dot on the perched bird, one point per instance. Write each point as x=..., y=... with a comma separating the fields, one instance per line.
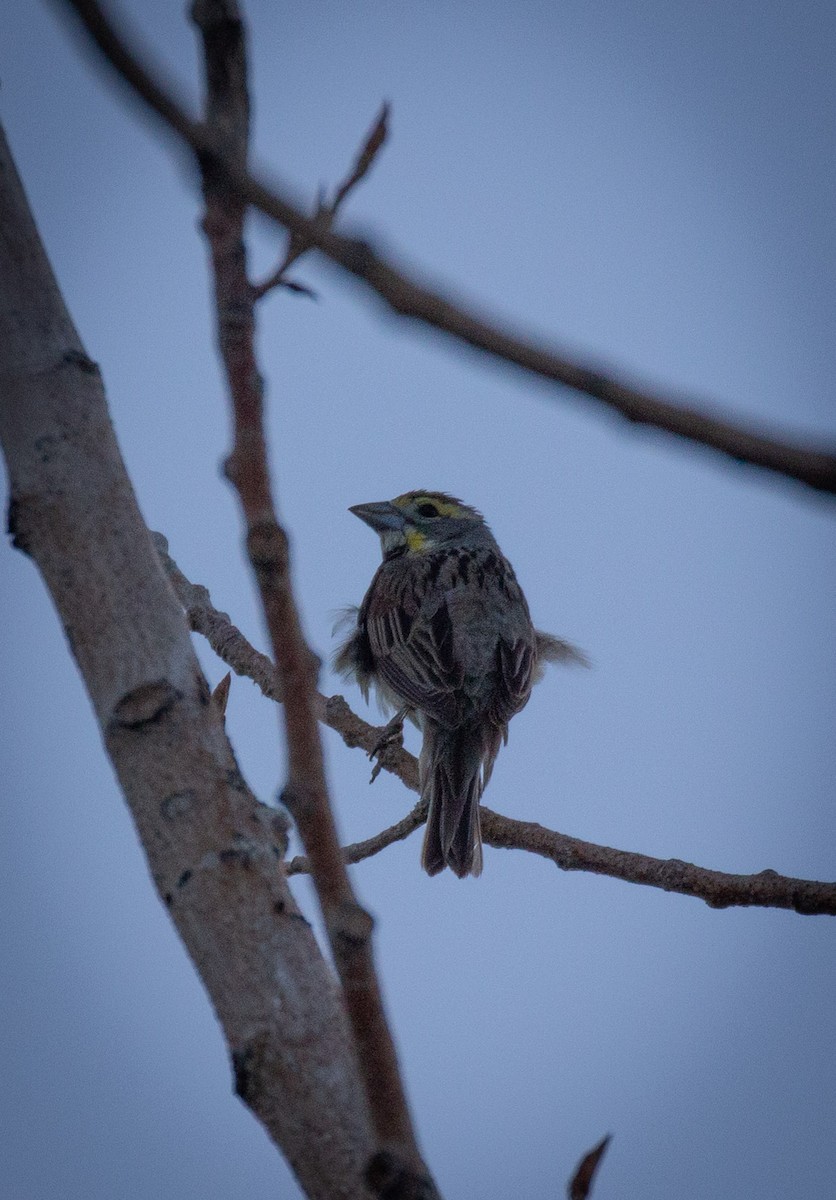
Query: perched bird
x=444, y=635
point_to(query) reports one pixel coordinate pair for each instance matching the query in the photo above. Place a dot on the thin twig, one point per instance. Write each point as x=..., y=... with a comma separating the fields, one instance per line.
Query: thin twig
x=356, y=851
x=348, y=925
x=718, y=889
x=809, y=464
x=220, y=695
x=326, y=211
x=369, y=151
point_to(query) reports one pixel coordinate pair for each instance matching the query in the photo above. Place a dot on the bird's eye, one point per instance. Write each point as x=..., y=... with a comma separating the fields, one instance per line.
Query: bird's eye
x=428, y=510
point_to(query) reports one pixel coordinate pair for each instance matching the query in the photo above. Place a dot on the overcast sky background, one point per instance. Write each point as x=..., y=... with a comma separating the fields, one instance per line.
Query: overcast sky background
x=652, y=186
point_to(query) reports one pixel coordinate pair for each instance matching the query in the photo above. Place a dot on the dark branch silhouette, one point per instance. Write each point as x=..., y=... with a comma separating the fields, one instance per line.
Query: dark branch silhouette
x=699, y=423
x=348, y=925
x=580, y=1185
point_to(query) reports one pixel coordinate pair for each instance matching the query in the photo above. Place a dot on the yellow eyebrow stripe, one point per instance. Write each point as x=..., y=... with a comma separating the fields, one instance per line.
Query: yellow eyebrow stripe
x=444, y=507
x=447, y=510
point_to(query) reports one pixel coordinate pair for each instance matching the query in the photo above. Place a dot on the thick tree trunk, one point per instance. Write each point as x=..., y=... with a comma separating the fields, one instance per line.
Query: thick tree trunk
x=212, y=849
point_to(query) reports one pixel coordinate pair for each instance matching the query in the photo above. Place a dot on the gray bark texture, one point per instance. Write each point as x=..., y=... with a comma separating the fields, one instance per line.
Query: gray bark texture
x=215, y=854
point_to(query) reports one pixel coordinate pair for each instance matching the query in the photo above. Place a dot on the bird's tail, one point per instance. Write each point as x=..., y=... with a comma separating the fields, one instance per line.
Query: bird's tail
x=452, y=781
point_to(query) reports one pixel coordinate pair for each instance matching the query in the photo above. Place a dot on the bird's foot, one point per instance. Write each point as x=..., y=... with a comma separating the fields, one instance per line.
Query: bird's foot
x=390, y=735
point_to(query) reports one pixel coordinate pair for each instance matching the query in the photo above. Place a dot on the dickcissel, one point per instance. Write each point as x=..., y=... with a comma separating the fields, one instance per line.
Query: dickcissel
x=444, y=636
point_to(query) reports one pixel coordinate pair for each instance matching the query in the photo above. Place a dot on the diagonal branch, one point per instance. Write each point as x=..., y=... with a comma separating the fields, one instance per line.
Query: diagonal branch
x=356, y=851
x=347, y=924
x=718, y=889
x=409, y=297
x=213, y=851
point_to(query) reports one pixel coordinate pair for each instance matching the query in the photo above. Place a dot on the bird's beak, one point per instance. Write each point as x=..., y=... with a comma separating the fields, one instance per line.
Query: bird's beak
x=381, y=515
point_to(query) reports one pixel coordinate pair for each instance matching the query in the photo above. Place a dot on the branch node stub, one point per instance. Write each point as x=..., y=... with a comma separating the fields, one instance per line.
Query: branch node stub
x=390, y=1178
x=360, y=257
x=267, y=547
x=296, y=800
x=242, y=1067
x=144, y=704
x=350, y=924
x=277, y=823
x=14, y=527
x=177, y=804
x=77, y=358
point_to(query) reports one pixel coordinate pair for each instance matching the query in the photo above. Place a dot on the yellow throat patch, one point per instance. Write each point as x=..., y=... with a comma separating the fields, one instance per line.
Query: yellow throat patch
x=416, y=541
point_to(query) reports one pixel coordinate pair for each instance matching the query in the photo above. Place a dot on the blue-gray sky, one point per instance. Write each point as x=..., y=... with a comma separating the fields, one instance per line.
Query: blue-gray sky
x=652, y=185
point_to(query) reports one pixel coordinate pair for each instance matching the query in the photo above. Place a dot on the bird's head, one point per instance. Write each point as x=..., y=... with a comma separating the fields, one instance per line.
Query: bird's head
x=419, y=521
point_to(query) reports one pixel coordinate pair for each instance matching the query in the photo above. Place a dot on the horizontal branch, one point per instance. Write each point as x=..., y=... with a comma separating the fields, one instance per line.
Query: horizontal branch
x=766, y=889
x=695, y=422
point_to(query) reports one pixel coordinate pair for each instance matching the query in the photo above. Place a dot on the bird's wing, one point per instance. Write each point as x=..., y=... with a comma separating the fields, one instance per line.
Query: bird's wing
x=414, y=654
x=515, y=660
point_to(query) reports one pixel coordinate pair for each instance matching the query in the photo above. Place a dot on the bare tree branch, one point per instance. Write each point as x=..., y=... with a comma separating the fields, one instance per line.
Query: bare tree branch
x=348, y=925
x=718, y=889
x=356, y=851
x=213, y=852
x=809, y=464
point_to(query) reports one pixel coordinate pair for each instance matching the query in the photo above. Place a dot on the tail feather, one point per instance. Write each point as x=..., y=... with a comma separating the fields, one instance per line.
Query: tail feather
x=451, y=779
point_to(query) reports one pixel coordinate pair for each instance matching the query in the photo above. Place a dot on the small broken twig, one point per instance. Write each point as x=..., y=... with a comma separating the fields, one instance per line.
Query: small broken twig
x=221, y=693
x=580, y=1185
